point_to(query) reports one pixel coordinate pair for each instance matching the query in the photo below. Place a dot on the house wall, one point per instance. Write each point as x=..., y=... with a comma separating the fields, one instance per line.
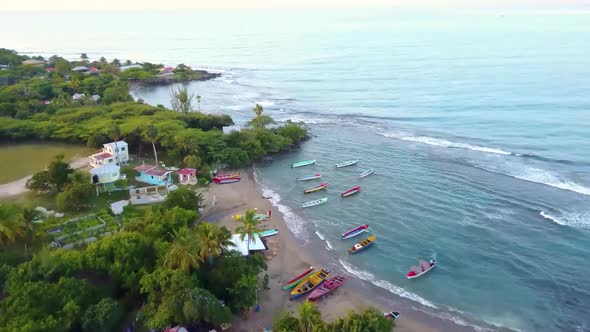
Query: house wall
x=95, y=162
x=123, y=153
x=154, y=180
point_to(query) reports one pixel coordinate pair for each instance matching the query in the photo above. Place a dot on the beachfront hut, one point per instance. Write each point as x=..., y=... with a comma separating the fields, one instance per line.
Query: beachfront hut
x=153, y=175
x=187, y=176
x=242, y=245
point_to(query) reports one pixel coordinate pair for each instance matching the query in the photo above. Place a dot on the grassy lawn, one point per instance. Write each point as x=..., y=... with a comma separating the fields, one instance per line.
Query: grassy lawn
x=21, y=160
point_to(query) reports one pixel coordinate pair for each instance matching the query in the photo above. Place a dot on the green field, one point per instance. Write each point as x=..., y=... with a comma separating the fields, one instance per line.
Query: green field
x=20, y=160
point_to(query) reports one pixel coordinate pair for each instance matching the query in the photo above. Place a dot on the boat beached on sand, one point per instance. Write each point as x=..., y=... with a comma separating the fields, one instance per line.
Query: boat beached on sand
x=309, y=284
x=313, y=189
x=227, y=175
x=351, y=191
x=303, y=163
x=347, y=163
x=327, y=287
x=391, y=314
x=364, y=244
x=355, y=231
x=295, y=281
x=268, y=232
x=366, y=173
x=315, y=202
x=226, y=180
x=312, y=177
x=421, y=269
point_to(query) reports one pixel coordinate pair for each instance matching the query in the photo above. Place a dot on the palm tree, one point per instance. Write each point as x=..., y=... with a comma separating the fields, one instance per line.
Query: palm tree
x=151, y=134
x=212, y=240
x=199, y=102
x=74, y=84
x=309, y=316
x=258, y=110
x=10, y=226
x=250, y=226
x=183, y=254
x=115, y=134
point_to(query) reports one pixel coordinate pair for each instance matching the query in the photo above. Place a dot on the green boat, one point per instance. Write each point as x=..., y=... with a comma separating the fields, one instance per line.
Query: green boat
x=303, y=163
x=298, y=279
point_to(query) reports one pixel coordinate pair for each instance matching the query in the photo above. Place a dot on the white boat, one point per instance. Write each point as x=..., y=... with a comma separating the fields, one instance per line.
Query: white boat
x=347, y=163
x=422, y=269
x=315, y=202
x=366, y=173
x=268, y=232
x=307, y=178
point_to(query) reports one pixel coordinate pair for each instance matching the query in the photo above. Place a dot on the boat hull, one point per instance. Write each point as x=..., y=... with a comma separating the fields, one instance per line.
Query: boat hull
x=226, y=180
x=315, y=188
x=364, y=244
x=421, y=274
x=270, y=232
x=307, y=178
x=328, y=287
x=309, y=284
x=351, y=191
x=303, y=163
x=295, y=281
x=314, y=203
x=366, y=173
x=347, y=163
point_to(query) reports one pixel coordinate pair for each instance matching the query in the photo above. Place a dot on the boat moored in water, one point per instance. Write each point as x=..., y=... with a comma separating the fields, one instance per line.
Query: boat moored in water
x=420, y=270
x=303, y=163
x=355, y=231
x=364, y=244
x=347, y=163
x=312, y=177
x=366, y=173
x=351, y=191
x=313, y=189
x=315, y=202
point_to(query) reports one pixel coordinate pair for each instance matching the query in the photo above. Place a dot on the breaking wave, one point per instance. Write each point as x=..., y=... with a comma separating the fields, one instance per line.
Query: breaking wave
x=447, y=144
x=293, y=221
x=569, y=219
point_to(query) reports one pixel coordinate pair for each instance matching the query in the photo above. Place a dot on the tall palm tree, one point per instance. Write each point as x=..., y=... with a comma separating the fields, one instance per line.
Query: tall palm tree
x=250, y=226
x=151, y=134
x=75, y=84
x=11, y=228
x=258, y=110
x=199, y=102
x=212, y=240
x=183, y=254
x=309, y=316
x=115, y=135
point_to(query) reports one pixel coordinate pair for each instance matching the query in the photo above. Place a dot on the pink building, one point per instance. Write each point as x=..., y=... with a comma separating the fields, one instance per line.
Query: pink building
x=187, y=176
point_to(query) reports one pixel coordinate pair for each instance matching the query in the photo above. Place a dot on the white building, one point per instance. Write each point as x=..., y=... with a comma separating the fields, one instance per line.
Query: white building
x=106, y=174
x=112, y=153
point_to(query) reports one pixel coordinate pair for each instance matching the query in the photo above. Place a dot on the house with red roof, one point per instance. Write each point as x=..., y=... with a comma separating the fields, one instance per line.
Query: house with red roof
x=114, y=152
x=153, y=175
x=187, y=176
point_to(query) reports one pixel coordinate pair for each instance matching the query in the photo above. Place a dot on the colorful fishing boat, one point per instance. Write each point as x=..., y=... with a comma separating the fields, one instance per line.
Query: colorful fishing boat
x=295, y=281
x=313, y=189
x=364, y=244
x=421, y=269
x=391, y=314
x=269, y=232
x=261, y=217
x=355, y=231
x=227, y=175
x=309, y=284
x=327, y=287
x=351, y=191
x=366, y=173
x=226, y=180
x=303, y=163
x=307, y=178
x=347, y=163
x=315, y=202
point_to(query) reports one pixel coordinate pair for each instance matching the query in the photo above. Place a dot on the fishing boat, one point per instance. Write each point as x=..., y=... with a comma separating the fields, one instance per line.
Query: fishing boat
x=347, y=163
x=268, y=232
x=355, y=231
x=391, y=314
x=295, y=281
x=315, y=202
x=307, y=178
x=226, y=180
x=364, y=244
x=303, y=163
x=261, y=217
x=351, y=191
x=327, y=287
x=421, y=269
x=313, y=189
x=309, y=284
x=227, y=175
x=366, y=173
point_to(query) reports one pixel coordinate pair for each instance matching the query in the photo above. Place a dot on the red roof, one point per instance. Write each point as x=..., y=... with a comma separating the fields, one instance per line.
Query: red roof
x=102, y=156
x=50, y=69
x=186, y=171
x=94, y=70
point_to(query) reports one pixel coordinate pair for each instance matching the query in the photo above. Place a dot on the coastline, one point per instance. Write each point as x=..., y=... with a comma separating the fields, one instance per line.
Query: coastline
x=287, y=259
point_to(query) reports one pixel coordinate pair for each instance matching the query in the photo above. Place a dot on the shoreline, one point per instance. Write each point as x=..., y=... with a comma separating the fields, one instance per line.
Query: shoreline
x=289, y=258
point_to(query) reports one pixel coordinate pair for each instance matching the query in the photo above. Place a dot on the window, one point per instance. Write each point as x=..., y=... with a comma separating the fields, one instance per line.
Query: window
x=122, y=149
x=110, y=160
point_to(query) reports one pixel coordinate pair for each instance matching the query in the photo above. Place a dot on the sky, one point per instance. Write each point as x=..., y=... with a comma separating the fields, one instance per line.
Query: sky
x=113, y=5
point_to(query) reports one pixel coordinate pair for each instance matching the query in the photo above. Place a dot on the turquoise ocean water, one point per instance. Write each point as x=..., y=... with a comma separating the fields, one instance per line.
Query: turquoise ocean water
x=477, y=124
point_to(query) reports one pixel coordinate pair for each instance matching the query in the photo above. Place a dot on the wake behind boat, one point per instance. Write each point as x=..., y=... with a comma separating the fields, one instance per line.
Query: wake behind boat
x=422, y=269
x=313, y=189
x=366, y=173
x=314, y=202
x=351, y=191
x=303, y=163
x=307, y=178
x=355, y=231
x=347, y=163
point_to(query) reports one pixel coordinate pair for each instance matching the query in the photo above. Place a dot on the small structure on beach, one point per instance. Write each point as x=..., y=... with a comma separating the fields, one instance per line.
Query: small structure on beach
x=80, y=69
x=153, y=175
x=246, y=248
x=105, y=176
x=114, y=152
x=187, y=176
x=148, y=195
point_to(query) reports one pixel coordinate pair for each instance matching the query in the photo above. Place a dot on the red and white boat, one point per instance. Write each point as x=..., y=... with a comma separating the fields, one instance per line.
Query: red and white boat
x=421, y=269
x=351, y=191
x=327, y=287
x=226, y=180
x=228, y=175
x=355, y=231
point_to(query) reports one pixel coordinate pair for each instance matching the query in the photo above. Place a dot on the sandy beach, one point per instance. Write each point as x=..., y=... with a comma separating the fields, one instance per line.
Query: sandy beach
x=285, y=260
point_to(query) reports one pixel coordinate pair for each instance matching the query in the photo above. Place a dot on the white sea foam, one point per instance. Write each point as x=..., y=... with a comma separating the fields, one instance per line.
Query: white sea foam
x=320, y=235
x=581, y=220
x=294, y=222
x=446, y=144
x=545, y=177
x=329, y=245
x=364, y=275
x=403, y=293
x=265, y=103
x=228, y=81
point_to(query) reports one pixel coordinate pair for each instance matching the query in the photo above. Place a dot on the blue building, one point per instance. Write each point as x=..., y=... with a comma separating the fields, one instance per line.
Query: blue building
x=153, y=175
